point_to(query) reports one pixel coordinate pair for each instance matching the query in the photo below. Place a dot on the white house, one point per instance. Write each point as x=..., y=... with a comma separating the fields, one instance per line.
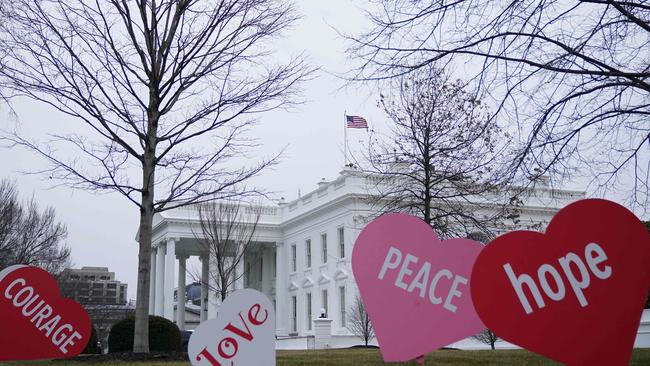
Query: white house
x=305, y=246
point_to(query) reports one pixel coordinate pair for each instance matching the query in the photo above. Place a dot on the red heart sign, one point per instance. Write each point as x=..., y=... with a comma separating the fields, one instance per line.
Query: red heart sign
x=36, y=322
x=574, y=294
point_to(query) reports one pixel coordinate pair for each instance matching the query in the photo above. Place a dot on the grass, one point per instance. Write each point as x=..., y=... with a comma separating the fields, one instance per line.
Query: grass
x=372, y=357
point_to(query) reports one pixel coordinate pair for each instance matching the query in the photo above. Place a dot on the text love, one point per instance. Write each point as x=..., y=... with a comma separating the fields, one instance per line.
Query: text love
x=227, y=347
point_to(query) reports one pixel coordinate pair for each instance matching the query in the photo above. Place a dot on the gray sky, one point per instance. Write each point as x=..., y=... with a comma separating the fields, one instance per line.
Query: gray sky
x=102, y=227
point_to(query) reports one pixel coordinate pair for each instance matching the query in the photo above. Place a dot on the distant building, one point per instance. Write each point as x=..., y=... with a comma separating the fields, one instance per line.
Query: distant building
x=103, y=297
x=192, y=293
x=93, y=285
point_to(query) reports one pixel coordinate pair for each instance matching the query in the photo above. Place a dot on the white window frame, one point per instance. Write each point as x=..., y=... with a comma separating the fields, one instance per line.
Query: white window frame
x=323, y=247
x=294, y=258
x=342, y=306
x=340, y=233
x=294, y=314
x=308, y=309
x=307, y=253
x=325, y=301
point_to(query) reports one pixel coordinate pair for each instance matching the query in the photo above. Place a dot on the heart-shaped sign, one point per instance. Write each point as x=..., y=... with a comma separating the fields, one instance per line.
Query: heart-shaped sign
x=243, y=334
x=415, y=288
x=36, y=322
x=574, y=294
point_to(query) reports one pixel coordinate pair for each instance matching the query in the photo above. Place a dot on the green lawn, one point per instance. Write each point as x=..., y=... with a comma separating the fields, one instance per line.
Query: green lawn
x=354, y=357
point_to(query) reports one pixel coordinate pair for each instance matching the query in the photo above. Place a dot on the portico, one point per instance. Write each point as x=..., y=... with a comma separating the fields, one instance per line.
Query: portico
x=177, y=241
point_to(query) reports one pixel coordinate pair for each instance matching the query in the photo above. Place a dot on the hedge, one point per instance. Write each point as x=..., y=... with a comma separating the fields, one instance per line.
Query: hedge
x=164, y=335
x=91, y=346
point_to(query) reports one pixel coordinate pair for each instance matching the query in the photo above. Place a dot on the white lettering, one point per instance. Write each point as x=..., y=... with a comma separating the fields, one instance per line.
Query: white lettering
x=405, y=271
x=392, y=260
x=578, y=281
x=453, y=292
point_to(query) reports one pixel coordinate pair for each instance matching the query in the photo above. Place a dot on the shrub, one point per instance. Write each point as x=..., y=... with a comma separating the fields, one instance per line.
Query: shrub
x=164, y=335
x=91, y=346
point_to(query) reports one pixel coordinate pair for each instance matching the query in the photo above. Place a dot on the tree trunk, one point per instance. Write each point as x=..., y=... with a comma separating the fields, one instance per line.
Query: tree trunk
x=492, y=345
x=141, y=328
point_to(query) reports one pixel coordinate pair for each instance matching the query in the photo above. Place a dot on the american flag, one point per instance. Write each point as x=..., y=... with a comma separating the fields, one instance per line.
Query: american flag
x=356, y=122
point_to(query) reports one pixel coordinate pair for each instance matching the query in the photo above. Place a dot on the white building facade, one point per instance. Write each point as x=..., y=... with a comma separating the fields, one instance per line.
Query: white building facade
x=305, y=246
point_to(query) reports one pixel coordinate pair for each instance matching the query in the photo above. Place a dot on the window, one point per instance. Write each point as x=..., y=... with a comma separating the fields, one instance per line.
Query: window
x=294, y=312
x=261, y=269
x=341, y=233
x=323, y=244
x=308, y=253
x=324, y=302
x=308, y=307
x=248, y=275
x=293, y=258
x=342, y=303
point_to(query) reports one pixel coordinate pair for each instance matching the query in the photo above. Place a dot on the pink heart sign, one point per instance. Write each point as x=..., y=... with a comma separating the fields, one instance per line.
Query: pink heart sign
x=415, y=287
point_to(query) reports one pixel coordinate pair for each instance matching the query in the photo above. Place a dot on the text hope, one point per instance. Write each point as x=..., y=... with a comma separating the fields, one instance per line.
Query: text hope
x=421, y=280
x=594, y=256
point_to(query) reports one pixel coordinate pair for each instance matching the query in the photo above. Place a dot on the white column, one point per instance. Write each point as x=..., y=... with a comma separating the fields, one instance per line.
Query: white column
x=180, y=304
x=239, y=272
x=205, y=273
x=213, y=299
x=160, y=279
x=170, y=274
x=152, y=282
x=267, y=275
x=281, y=295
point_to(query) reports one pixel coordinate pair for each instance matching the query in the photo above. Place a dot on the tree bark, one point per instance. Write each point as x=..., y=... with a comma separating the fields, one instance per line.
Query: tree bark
x=141, y=329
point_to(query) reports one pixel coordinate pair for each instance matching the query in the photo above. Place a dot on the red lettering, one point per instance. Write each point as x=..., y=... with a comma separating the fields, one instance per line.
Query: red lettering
x=253, y=317
x=205, y=354
x=227, y=343
x=247, y=336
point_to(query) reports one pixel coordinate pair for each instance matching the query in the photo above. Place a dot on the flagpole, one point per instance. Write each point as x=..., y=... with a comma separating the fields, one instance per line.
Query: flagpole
x=345, y=139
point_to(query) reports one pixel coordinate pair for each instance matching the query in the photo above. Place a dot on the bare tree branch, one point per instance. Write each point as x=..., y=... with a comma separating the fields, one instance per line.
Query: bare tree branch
x=167, y=92
x=227, y=234
x=28, y=235
x=571, y=78
x=443, y=159
x=359, y=321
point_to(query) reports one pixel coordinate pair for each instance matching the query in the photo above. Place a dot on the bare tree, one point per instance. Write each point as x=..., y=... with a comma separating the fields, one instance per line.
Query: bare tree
x=442, y=159
x=571, y=77
x=488, y=337
x=358, y=321
x=28, y=235
x=227, y=234
x=164, y=92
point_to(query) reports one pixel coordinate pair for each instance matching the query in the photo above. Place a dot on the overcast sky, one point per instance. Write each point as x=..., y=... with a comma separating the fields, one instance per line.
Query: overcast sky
x=102, y=227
